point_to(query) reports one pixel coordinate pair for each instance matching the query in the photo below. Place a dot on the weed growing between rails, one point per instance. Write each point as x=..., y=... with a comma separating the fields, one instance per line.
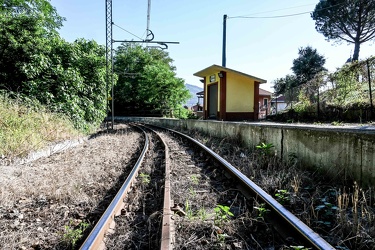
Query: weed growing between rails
x=342, y=213
x=210, y=211
x=74, y=232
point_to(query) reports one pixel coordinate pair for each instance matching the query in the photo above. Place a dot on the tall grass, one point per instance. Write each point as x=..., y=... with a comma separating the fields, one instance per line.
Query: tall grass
x=26, y=125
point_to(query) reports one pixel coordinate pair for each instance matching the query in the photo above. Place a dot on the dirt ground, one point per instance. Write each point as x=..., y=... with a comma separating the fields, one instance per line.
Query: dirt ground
x=47, y=203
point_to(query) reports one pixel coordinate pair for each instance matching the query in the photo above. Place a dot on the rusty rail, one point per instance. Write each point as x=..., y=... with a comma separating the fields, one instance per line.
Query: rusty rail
x=96, y=237
x=167, y=234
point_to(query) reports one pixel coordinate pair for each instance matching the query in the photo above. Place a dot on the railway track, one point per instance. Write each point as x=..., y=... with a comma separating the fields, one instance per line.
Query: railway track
x=207, y=204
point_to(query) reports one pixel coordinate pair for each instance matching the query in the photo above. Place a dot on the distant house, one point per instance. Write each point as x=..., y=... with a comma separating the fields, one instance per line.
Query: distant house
x=197, y=110
x=278, y=104
x=200, y=96
x=229, y=94
x=193, y=89
x=264, y=103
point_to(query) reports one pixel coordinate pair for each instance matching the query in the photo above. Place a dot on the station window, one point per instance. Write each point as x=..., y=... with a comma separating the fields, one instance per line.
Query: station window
x=265, y=102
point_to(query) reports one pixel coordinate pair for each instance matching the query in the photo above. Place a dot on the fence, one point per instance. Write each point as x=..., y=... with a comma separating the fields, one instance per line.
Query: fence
x=345, y=95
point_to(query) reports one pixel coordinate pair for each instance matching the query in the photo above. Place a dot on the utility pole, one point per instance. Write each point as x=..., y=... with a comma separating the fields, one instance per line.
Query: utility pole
x=225, y=17
x=369, y=88
x=109, y=58
x=148, y=17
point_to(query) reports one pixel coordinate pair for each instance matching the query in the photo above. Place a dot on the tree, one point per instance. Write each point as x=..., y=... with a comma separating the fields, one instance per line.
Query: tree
x=22, y=50
x=40, y=9
x=36, y=62
x=281, y=85
x=287, y=87
x=146, y=80
x=74, y=83
x=308, y=64
x=26, y=29
x=352, y=21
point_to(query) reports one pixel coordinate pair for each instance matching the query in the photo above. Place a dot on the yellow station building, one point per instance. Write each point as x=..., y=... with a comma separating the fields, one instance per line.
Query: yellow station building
x=229, y=95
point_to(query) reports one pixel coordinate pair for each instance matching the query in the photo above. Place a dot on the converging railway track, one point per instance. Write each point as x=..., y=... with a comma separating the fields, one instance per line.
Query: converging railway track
x=181, y=195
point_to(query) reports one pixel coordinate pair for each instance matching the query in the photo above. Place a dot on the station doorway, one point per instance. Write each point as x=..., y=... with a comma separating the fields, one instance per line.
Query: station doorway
x=212, y=101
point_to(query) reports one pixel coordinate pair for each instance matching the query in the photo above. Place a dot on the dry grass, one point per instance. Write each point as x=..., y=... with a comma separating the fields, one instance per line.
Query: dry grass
x=67, y=177
x=38, y=199
x=344, y=214
x=24, y=128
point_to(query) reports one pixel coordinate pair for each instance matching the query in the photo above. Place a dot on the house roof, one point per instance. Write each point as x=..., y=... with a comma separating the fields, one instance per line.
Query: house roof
x=279, y=99
x=215, y=68
x=264, y=92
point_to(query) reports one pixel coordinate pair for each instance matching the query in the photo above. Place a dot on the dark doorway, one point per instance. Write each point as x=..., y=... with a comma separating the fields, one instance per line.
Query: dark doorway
x=212, y=101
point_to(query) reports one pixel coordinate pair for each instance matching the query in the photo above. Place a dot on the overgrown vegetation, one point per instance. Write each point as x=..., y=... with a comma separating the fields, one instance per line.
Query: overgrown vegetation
x=341, y=212
x=313, y=94
x=26, y=125
x=36, y=62
x=343, y=95
x=68, y=80
x=222, y=214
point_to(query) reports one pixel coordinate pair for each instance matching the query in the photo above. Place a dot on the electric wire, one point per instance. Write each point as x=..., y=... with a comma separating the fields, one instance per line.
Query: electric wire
x=263, y=17
x=295, y=7
x=143, y=35
x=126, y=31
x=282, y=16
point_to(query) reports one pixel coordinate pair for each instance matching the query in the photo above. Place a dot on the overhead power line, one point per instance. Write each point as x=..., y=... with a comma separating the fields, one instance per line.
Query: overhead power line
x=282, y=16
x=269, y=11
x=289, y=15
x=126, y=31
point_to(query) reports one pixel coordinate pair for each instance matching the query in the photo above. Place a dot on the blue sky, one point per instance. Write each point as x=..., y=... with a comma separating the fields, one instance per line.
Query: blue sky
x=262, y=47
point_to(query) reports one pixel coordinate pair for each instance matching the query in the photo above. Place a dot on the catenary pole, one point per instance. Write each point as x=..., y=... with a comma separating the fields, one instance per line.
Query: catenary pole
x=108, y=57
x=148, y=18
x=109, y=54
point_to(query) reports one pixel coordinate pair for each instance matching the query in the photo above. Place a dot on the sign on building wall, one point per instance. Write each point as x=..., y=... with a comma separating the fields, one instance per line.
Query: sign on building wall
x=212, y=78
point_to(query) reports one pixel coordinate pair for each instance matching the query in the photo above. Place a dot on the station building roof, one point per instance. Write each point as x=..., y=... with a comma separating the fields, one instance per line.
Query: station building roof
x=216, y=68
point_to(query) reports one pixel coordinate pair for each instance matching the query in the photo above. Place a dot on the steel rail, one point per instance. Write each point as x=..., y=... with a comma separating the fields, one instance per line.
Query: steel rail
x=167, y=237
x=96, y=237
x=282, y=214
x=167, y=230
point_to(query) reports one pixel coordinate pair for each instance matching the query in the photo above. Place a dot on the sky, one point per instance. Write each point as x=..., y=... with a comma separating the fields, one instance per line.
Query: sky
x=262, y=47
